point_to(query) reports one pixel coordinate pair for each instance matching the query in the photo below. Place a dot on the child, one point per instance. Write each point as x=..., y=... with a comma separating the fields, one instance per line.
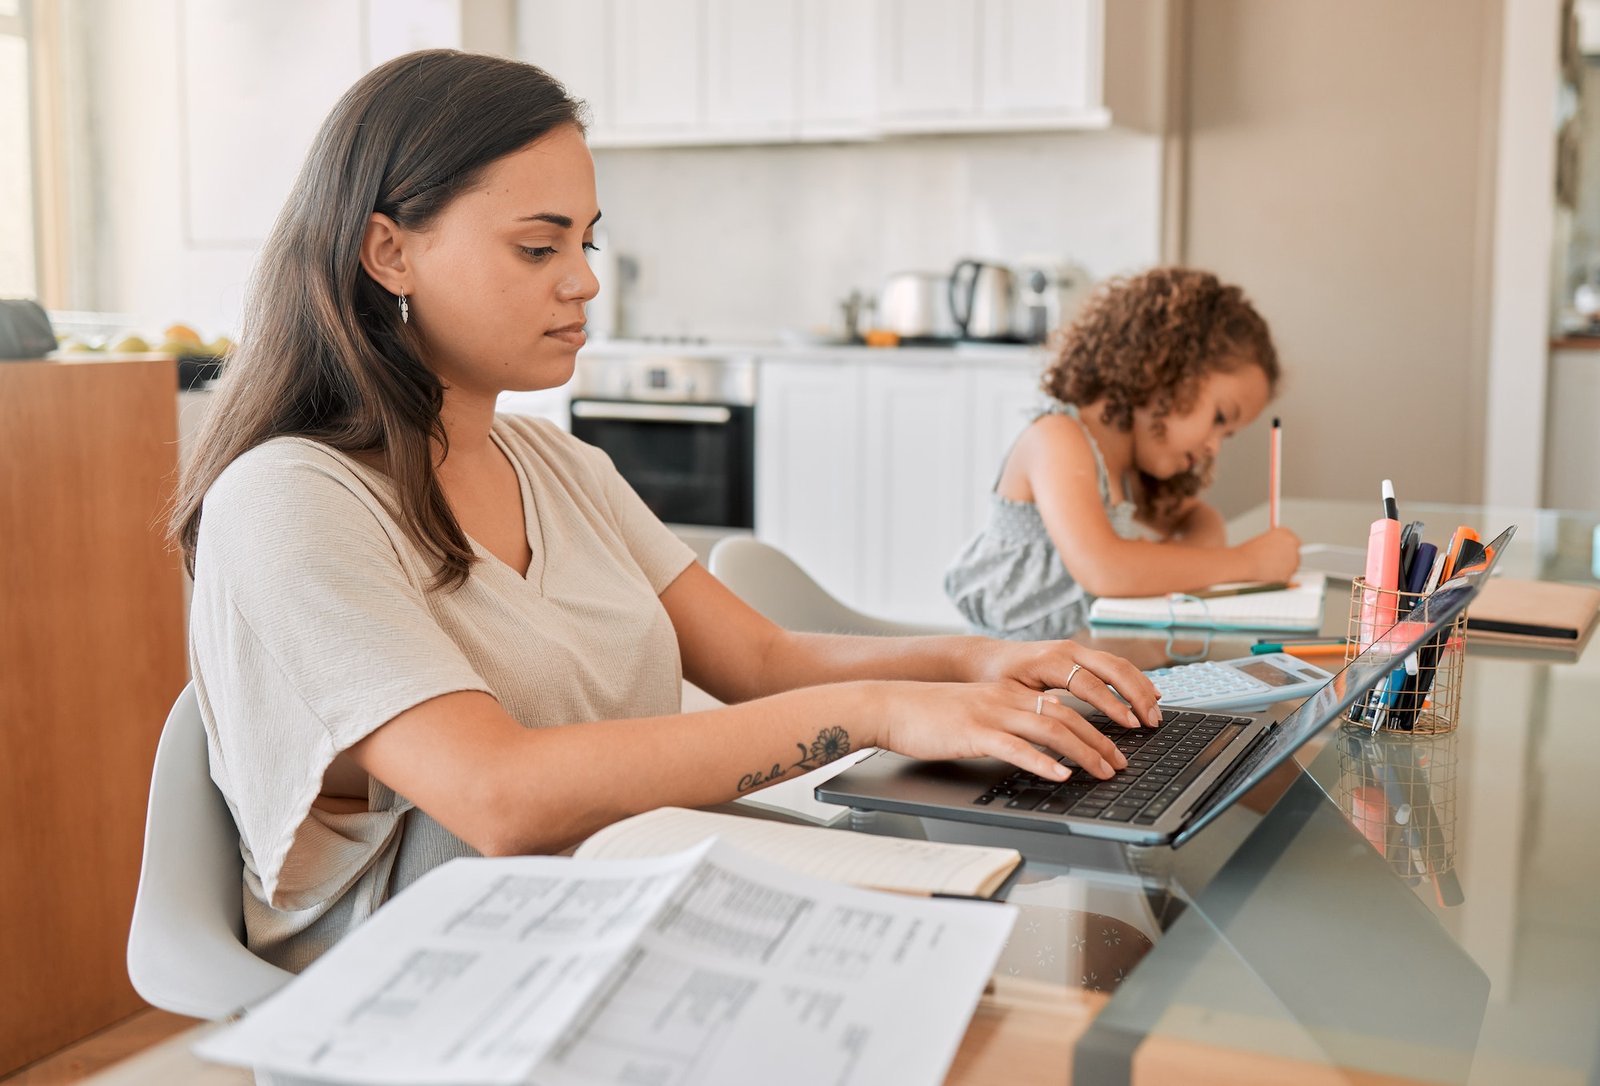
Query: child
x=1098, y=497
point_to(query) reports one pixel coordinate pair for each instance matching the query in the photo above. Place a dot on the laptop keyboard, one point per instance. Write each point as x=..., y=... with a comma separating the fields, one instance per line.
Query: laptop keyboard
x=1162, y=762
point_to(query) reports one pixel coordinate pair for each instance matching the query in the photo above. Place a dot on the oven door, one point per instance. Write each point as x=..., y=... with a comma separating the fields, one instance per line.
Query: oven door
x=692, y=463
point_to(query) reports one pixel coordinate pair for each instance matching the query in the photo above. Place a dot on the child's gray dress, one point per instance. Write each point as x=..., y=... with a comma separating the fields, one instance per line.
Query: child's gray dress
x=1009, y=581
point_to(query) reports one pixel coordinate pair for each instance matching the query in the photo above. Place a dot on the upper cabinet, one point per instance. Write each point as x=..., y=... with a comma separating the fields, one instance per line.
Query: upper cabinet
x=657, y=77
x=988, y=65
x=661, y=72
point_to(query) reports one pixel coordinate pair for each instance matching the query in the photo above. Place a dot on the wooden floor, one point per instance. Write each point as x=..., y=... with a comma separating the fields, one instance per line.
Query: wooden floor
x=100, y=1050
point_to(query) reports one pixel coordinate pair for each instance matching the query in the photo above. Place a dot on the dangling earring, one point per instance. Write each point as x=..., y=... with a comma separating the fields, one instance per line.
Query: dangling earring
x=405, y=311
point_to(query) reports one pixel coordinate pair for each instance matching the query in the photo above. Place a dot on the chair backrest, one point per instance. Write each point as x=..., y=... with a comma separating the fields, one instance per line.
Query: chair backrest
x=186, y=952
x=771, y=582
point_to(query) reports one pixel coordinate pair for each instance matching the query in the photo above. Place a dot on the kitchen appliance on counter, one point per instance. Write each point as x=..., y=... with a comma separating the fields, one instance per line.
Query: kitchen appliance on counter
x=982, y=297
x=680, y=427
x=1048, y=297
x=982, y=301
x=915, y=306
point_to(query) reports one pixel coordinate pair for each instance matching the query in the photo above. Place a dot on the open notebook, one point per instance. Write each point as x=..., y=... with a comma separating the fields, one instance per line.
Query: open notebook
x=1298, y=607
x=880, y=863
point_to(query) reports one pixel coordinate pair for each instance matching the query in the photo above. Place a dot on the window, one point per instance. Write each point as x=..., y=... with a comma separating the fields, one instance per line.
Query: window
x=19, y=273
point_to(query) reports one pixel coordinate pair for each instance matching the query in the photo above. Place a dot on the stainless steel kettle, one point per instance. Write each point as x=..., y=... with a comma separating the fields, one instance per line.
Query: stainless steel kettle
x=983, y=297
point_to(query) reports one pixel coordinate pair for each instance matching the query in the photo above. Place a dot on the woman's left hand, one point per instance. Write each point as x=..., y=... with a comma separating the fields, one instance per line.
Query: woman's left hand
x=1087, y=674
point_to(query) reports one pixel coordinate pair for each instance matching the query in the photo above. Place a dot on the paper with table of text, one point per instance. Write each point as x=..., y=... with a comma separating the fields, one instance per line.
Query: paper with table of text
x=708, y=966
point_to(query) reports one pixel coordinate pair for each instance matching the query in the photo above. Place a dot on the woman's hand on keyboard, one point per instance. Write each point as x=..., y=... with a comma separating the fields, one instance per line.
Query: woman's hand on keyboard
x=1002, y=720
x=1047, y=665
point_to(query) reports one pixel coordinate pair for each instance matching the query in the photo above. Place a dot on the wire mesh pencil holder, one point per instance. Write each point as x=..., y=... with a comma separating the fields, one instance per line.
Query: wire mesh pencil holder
x=1400, y=792
x=1424, y=703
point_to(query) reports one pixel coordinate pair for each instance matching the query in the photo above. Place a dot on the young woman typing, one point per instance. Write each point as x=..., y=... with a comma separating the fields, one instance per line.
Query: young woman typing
x=421, y=629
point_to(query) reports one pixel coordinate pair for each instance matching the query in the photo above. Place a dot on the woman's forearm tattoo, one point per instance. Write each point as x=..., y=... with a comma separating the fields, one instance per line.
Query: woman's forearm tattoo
x=829, y=745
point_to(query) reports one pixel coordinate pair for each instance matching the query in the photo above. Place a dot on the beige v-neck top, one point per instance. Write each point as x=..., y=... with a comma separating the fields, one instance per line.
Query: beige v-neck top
x=313, y=625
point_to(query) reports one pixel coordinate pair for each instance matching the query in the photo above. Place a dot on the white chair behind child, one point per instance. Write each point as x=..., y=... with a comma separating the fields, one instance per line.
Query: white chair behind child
x=771, y=582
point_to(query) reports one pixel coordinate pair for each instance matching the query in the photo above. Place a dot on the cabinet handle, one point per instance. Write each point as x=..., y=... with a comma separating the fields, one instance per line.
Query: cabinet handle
x=650, y=412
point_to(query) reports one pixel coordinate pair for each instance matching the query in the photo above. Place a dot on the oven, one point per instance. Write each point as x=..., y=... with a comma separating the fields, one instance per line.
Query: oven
x=680, y=429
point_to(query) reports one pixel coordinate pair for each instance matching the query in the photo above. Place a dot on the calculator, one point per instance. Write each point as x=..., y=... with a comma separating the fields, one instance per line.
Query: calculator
x=1246, y=684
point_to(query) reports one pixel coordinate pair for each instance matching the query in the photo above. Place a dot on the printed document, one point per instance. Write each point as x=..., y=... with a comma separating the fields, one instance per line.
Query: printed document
x=708, y=966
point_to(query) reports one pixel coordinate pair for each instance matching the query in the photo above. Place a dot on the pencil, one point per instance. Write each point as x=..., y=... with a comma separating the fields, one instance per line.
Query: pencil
x=1299, y=648
x=1249, y=589
x=1275, y=468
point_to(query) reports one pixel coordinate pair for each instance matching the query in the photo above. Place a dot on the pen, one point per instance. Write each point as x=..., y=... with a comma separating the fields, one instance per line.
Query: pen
x=1275, y=468
x=1391, y=508
x=1238, y=590
x=1303, y=648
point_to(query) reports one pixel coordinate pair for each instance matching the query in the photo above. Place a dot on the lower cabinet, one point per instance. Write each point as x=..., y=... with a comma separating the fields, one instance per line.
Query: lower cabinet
x=872, y=475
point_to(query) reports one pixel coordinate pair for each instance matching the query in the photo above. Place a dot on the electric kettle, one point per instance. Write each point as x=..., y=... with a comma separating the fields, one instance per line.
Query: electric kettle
x=982, y=299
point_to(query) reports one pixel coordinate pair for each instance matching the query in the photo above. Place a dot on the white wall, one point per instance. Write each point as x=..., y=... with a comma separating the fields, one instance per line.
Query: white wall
x=747, y=241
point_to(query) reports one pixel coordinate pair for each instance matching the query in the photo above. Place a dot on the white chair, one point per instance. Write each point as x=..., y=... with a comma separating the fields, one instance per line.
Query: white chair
x=186, y=951
x=770, y=581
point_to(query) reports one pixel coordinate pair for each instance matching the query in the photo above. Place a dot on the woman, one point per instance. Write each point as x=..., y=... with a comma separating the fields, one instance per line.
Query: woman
x=399, y=596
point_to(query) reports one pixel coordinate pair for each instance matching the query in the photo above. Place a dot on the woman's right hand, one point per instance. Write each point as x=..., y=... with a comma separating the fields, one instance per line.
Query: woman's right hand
x=1273, y=555
x=989, y=720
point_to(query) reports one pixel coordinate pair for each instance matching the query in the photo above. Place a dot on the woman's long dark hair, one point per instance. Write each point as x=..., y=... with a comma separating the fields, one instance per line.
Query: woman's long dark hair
x=323, y=353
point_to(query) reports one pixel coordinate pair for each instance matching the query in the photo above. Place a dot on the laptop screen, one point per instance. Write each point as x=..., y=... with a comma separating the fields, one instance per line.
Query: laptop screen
x=1359, y=676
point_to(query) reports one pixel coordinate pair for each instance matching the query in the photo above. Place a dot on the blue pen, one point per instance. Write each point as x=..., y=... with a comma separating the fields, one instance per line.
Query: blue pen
x=1386, y=700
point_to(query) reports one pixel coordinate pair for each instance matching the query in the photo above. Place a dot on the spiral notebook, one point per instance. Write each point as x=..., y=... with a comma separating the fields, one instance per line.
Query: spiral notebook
x=1298, y=607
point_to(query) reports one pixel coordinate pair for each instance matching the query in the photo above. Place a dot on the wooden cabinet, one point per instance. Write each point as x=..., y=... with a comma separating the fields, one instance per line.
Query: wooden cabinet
x=872, y=475
x=91, y=658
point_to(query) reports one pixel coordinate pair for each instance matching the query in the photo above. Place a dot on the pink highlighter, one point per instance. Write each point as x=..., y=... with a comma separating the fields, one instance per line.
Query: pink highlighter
x=1383, y=570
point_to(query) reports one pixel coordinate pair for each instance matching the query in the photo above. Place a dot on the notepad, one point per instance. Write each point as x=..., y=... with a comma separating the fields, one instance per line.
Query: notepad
x=1534, y=613
x=1298, y=607
x=880, y=863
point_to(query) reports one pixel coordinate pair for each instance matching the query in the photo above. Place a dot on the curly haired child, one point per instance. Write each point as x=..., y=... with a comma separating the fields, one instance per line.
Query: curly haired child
x=1099, y=495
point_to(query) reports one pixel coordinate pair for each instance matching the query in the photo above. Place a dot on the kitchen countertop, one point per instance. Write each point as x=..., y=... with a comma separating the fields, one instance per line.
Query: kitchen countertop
x=1021, y=356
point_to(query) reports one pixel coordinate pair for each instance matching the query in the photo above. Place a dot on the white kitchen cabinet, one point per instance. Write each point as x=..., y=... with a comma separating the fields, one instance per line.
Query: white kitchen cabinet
x=916, y=476
x=929, y=73
x=872, y=475
x=681, y=72
x=838, y=93
x=809, y=467
x=658, y=64
x=573, y=43
x=992, y=65
x=750, y=57
x=1041, y=59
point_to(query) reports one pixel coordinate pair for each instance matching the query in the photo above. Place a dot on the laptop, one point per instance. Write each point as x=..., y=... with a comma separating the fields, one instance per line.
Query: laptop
x=1180, y=776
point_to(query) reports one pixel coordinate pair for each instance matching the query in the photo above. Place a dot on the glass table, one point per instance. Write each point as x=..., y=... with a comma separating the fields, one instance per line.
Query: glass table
x=1309, y=936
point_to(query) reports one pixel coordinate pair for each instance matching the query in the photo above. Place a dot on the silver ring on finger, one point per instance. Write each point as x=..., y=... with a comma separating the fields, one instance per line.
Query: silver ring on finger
x=1038, y=703
x=1067, y=686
